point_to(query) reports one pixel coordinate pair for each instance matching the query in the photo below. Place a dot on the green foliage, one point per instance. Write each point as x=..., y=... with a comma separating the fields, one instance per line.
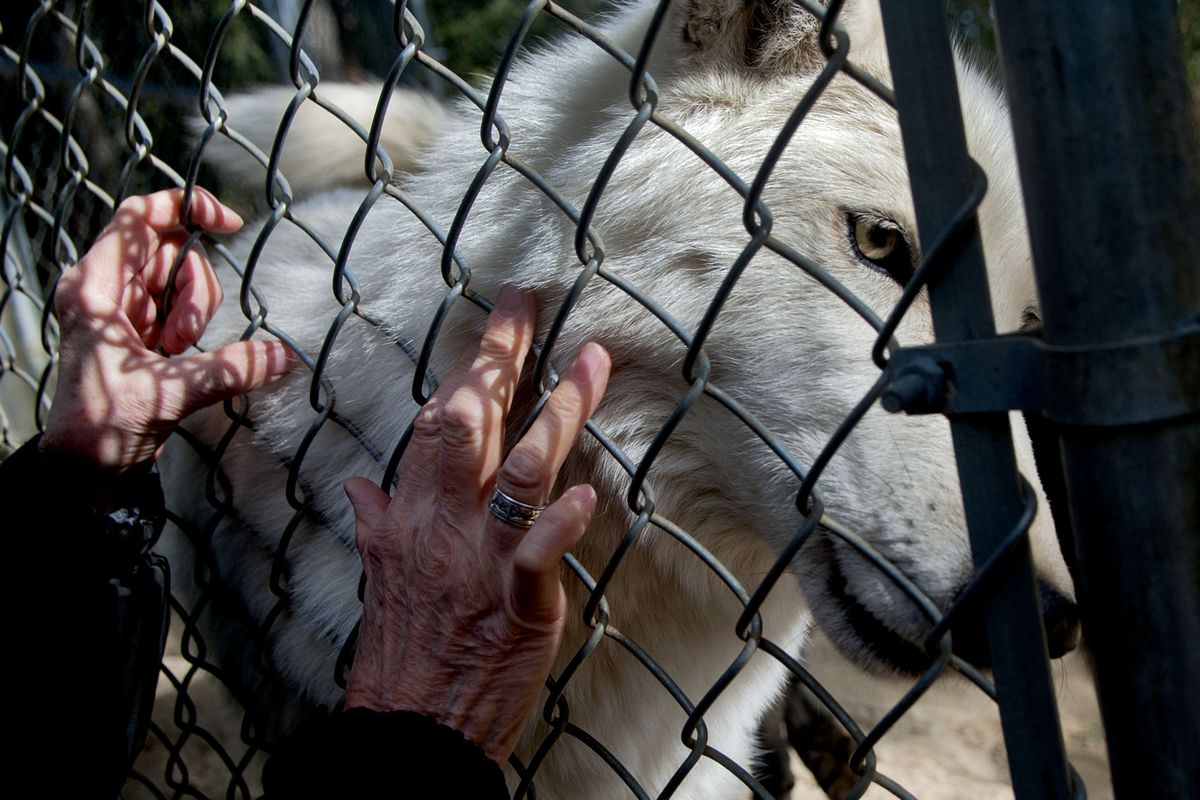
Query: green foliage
x=1189, y=27
x=118, y=27
x=474, y=33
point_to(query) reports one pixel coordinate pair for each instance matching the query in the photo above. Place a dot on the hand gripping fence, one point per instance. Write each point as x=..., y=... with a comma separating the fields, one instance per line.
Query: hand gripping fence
x=55, y=70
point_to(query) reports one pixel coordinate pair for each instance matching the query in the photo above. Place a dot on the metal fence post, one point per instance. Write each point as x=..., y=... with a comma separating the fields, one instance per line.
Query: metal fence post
x=942, y=176
x=1111, y=173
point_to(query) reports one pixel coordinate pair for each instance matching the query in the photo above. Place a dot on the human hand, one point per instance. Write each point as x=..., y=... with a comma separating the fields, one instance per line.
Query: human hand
x=463, y=612
x=118, y=400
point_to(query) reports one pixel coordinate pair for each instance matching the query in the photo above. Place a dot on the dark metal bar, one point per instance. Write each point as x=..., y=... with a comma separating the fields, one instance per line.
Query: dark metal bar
x=1111, y=172
x=942, y=174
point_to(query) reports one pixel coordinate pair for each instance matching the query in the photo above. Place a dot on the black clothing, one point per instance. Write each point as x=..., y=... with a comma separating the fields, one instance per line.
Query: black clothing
x=84, y=612
x=361, y=753
x=84, y=618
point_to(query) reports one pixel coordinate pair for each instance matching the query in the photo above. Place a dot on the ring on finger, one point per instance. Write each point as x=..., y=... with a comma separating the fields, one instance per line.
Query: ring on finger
x=512, y=511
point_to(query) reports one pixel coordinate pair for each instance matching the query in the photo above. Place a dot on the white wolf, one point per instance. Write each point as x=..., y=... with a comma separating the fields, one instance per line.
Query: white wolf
x=729, y=72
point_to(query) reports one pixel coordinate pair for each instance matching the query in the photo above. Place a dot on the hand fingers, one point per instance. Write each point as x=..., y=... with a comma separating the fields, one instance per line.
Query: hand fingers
x=370, y=505
x=211, y=214
x=142, y=312
x=529, y=471
x=96, y=285
x=537, y=595
x=233, y=370
x=198, y=294
x=461, y=429
x=141, y=222
x=157, y=271
x=146, y=291
x=163, y=211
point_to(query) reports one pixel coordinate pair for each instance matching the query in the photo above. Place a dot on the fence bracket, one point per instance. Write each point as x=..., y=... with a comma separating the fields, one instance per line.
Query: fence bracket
x=1146, y=379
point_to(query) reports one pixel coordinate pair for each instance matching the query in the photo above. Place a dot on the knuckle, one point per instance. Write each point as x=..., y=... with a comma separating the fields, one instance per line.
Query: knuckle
x=216, y=382
x=525, y=470
x=462, y=418
x=67, y=293
x=499, y=343
x=131, y=214
x=566, y=404
x=428, y=423
x=530, y=563
x=382, y=556
x=130, y=207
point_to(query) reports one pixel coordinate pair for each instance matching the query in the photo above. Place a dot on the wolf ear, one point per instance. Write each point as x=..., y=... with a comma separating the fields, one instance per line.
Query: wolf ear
x=770, y=36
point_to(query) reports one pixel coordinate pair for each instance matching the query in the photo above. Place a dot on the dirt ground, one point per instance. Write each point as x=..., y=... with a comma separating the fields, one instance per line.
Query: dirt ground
x=205, y=768
x=949, y=746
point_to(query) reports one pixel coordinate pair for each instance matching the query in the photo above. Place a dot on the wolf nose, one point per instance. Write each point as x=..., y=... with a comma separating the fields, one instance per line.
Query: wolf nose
x=1061, y=618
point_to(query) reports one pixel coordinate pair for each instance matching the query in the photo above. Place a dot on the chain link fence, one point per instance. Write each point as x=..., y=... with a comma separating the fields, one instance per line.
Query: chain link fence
x=569, y=169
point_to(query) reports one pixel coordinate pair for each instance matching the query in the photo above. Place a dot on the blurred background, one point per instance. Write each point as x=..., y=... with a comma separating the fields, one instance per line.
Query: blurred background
x=349, y=40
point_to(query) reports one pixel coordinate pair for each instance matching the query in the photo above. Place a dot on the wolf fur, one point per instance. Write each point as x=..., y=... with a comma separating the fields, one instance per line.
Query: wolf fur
x=728, y=72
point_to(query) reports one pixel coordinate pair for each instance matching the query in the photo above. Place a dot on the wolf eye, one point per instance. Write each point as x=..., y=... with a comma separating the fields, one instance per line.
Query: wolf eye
x=879, y=243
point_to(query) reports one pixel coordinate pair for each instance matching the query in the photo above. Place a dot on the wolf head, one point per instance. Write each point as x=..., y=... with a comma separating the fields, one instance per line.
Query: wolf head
x=784, y=346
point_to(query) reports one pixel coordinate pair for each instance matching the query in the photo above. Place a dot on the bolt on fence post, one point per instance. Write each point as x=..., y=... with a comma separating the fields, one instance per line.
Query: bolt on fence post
x=1111, y=171
x=942, y=175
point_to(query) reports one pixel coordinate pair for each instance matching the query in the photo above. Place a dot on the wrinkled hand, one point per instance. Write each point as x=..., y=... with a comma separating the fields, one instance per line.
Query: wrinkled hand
x=463, y=613
x=118, y=400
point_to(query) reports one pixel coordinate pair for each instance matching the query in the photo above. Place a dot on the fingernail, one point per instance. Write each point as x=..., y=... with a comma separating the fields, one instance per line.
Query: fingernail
x=584, y=495
x=590, y=359
x=280, y=360
x=189, y=331
x=510, y=302
x=224, y=214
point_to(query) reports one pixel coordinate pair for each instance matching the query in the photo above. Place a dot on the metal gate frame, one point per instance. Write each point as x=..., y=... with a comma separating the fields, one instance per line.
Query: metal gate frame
x=1110, y=170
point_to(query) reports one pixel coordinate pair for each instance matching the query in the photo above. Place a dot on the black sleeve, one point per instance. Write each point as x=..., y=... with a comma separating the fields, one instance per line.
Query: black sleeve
x=83, y=607
x=359, y=753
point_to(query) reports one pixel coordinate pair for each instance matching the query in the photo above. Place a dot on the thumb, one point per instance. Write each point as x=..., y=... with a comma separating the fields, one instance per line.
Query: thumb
x=233, y=370
x=537, y=595
x=370, y=507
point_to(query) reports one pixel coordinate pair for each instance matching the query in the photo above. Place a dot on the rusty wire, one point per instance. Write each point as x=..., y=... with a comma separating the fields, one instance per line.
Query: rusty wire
x=43, y=235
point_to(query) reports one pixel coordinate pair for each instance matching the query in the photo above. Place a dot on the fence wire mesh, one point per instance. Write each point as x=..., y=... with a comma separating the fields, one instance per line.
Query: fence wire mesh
x=94, y=110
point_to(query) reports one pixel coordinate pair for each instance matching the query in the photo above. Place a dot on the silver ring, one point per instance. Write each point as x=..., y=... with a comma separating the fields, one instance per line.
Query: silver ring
x=512, y=511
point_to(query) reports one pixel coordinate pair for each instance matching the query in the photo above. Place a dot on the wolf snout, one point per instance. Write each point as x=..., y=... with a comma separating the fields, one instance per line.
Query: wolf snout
x=1060, y=618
